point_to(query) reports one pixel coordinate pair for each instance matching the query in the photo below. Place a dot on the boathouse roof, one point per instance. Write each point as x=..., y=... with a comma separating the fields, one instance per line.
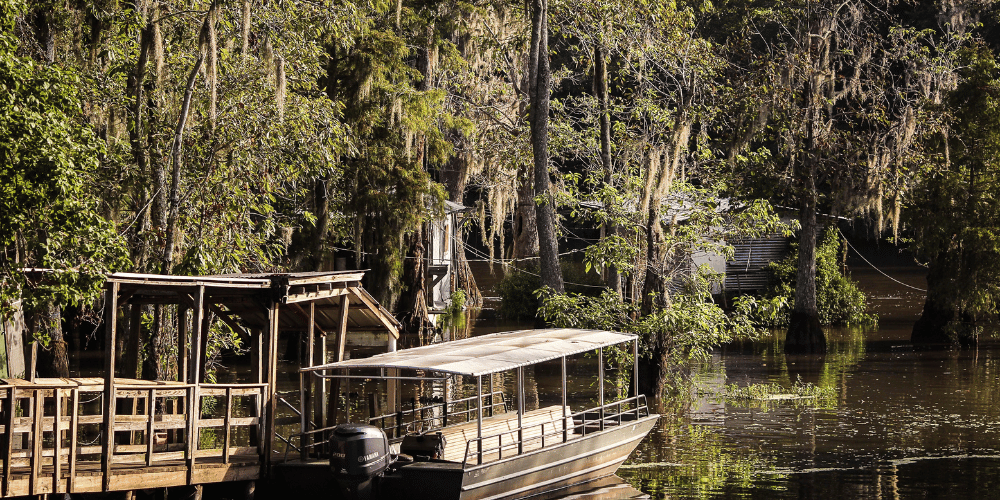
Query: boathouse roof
x=487, y=354
x=243, y=296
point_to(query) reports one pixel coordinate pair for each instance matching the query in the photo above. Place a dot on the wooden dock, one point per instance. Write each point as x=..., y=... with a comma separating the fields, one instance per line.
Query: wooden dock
x=119, y=433
x=54, y=440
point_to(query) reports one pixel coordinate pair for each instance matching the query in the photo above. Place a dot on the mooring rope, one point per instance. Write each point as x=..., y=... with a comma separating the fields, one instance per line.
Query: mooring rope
x=873, y=265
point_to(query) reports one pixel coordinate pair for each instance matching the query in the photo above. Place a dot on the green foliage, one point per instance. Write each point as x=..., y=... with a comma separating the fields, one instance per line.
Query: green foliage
x=454, y=314
x=518, y=288
x=768, y=396
x=48, y=162
x=954, y=211
x=687, y=329
x=517, y=294
x=838, y=298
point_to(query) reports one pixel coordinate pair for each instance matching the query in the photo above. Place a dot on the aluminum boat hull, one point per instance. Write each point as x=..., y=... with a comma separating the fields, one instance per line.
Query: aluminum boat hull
x=580, y=460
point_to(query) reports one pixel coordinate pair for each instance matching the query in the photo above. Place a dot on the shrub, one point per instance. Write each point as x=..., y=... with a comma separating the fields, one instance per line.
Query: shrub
x=838, y=298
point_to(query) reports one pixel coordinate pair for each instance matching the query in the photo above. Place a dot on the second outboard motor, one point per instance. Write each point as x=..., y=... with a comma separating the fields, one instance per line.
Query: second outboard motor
x=359, y=453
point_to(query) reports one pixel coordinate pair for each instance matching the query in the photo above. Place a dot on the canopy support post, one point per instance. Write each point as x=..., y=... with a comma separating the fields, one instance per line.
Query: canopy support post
x=392, y=385
x=635, y=369
x=479, y=418
x=600, y=385
x=520, y=409
x=565, y=434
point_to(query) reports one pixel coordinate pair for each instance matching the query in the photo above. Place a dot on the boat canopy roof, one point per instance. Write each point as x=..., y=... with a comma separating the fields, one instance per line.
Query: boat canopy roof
x=491, y=353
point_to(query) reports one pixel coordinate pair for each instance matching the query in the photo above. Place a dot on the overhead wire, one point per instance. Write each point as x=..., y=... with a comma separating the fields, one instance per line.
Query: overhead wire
x=873, y=265
x=485, y=258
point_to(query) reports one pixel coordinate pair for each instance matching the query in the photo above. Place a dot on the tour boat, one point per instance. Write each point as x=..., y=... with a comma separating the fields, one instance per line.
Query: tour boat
x=484, y=451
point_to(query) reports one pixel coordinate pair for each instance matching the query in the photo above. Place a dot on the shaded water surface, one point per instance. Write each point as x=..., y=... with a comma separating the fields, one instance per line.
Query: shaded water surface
x=894, y=422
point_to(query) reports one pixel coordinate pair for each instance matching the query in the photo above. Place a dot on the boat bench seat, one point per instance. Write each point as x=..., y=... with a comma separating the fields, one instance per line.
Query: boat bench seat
x=533, y=422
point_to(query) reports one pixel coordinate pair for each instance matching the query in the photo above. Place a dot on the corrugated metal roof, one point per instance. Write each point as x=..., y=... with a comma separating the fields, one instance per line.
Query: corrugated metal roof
x=487, y=354
x=747, y=271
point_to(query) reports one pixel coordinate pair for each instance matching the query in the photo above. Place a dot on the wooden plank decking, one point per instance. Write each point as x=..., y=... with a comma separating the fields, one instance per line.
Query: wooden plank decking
x=503, y=430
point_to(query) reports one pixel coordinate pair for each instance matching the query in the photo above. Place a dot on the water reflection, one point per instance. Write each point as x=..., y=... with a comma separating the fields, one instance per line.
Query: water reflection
x=893, y=422
x=902, y=424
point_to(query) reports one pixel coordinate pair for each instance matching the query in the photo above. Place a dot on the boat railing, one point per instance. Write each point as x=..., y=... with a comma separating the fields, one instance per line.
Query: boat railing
x=521, y=439
x=437, y=415
x=395, y=425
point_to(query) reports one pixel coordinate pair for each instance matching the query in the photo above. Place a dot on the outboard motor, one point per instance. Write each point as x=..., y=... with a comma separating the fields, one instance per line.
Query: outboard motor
x=359, y=454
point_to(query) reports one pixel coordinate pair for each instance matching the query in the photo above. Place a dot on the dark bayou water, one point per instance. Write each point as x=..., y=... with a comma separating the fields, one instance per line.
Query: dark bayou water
x=893, y=422
x=896, y=423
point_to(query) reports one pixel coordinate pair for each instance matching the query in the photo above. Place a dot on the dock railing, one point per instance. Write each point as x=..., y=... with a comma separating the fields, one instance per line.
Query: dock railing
x=53, y=434
x=521, y=440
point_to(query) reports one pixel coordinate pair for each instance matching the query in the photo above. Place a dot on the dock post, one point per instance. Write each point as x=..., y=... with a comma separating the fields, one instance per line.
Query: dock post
x=272, y=385
x=108, y=437
x=194, y=377
x=182, y=351
x=304, y=382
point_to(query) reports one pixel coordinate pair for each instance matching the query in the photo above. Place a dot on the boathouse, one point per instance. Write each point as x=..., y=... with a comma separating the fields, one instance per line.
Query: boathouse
x=119, y=433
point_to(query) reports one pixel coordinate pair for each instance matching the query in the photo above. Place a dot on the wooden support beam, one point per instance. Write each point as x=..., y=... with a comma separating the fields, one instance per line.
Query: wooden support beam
x=345, y=305
x=227, y=427
x=322, y=402
x=257, y=356
x=304, y=379
x=316, y=295
x=8, y=437
x=36, y=440
x=194, y=377
x=384, y=317
x=150, y=414
x=272, y=386
x=310, y=317
x=182, y=343
x=57, y=441
x=74, y=426
x=108, y=436
x=229, y=321
x=33, y=366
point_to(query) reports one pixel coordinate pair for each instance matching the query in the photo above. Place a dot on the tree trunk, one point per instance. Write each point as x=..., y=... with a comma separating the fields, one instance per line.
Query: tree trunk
x=548, y=249
x=321, y=199
x=175, y=159
x=45, y=34
x=455, y=177
x=525, y=222
x=654, y=369
x=940, y=323
x=412, y=301
x=653, y=285
x=49, y=321
x=805, y=335
x=611, y=276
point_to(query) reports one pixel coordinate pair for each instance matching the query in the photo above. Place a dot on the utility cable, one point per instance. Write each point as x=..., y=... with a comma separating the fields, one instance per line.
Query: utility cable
x=873, y=265
x=486, y=258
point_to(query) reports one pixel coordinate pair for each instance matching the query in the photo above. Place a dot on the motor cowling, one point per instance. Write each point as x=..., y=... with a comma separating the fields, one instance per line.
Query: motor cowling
x=358, y=453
